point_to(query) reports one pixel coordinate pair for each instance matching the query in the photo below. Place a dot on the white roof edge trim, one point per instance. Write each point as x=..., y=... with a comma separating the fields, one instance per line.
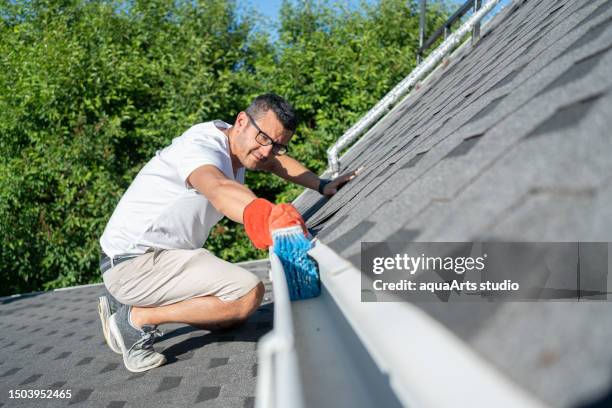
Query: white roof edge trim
x=402, y=88
x=414, y=350
x=278, y=380
x=432, y=76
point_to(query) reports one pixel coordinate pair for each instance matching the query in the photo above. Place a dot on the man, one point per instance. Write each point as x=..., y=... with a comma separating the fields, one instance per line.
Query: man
x=153, y=264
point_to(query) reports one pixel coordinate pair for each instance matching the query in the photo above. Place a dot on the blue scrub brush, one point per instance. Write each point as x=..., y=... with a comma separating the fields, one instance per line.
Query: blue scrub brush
x=301, y=271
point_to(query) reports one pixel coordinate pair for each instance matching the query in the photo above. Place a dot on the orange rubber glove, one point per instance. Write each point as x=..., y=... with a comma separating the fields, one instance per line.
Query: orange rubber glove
x=256, y=217
x=286, y=215
x=261, y=217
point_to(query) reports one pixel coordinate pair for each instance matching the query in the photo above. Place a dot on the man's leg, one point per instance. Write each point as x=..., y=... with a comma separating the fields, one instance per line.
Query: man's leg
x=205, y=312
x=179, y=286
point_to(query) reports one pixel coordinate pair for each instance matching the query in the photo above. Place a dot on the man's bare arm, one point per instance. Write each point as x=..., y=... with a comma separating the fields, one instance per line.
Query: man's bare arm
x=228, y=196
x=294, y=171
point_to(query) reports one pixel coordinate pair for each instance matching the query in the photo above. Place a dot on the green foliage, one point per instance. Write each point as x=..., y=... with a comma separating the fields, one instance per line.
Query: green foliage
x=342, y=61
x=89, y=90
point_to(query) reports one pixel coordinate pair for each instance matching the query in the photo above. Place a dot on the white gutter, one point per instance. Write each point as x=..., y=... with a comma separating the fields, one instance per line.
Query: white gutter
x=426, y=364
x=278, y=380
x=401, y=89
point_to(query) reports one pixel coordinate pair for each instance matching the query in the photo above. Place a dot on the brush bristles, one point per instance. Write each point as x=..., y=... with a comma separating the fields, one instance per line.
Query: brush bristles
x=301, y=271
x=287, y=231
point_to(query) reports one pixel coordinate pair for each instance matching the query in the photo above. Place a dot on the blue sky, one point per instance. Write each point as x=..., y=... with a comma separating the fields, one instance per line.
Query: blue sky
x=268, y=8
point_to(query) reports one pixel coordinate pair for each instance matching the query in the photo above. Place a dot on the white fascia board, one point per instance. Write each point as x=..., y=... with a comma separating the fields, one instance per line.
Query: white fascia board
x=427, y=365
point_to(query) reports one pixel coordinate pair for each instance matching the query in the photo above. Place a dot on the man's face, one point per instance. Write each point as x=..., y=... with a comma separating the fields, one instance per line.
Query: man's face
x=246, y=148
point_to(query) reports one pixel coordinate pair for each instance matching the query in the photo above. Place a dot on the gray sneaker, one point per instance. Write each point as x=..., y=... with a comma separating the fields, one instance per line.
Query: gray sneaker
x=136, y=345
x=113, y=303
x=105, y=310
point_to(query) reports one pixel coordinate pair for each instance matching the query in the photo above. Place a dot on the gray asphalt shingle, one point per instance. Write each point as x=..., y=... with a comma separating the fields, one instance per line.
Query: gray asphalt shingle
x=509, y=141
x=53, y=340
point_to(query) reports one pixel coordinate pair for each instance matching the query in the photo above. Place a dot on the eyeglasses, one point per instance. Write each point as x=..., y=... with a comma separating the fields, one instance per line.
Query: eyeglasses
x=265, y=140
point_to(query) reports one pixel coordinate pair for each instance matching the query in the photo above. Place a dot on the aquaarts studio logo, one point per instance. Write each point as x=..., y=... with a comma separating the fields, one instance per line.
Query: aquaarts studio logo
x=484, y=271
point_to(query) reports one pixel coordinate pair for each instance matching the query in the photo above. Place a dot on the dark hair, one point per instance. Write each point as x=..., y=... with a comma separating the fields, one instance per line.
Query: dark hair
x=283, y=110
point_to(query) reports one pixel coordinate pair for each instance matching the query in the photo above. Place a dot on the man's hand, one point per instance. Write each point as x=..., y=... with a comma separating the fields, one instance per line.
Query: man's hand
x=336, y=184
x=261, y=218
x=285, y=215
x=293, y=171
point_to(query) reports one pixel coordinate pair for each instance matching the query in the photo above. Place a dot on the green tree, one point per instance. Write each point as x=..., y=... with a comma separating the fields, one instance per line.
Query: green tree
x=89, y=90
x=335, y=62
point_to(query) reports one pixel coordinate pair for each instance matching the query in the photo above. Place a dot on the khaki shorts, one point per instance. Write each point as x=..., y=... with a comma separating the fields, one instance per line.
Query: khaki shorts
x=165, y=276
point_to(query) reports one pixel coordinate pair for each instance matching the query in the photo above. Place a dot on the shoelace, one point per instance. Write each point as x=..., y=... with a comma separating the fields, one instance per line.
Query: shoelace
x=149, y=336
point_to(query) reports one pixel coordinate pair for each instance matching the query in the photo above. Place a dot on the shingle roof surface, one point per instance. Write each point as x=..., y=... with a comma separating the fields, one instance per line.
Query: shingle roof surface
x=53, y=340
x=511, y=141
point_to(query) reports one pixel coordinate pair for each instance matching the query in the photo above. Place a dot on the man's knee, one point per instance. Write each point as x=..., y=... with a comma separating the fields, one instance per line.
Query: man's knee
x=248, y=303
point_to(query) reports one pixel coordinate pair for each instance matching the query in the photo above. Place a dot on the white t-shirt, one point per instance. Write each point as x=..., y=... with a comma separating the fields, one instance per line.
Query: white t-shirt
x=159, y=209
